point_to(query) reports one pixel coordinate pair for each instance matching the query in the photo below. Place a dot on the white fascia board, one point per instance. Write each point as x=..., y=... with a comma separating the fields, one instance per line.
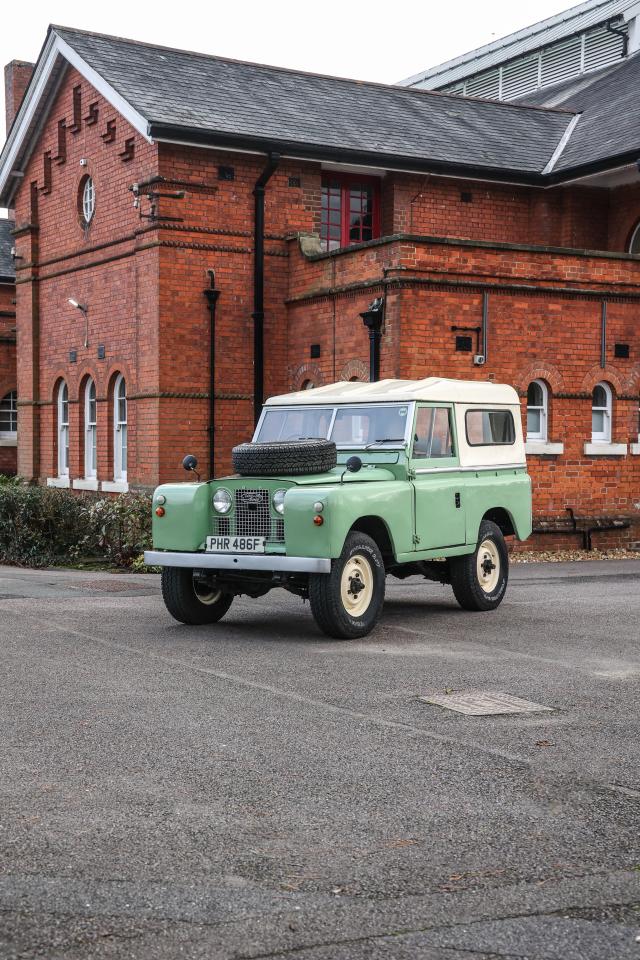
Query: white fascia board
x=55, y=47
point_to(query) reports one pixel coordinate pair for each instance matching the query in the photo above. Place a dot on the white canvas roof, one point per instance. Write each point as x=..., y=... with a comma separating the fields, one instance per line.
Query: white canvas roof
x=403, y=391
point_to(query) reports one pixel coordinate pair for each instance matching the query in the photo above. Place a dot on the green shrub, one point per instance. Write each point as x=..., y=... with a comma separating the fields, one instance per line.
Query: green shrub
x=43, y=526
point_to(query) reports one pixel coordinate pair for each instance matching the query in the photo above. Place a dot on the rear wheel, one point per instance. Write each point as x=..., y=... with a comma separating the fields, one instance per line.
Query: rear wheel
x=191, y=599
x=347, y=602
x=479, y=579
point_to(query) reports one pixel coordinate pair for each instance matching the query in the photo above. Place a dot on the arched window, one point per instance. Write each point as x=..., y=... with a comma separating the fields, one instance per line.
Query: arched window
x=307, y=385
x=9, y=416
x=634, y=244
x=90, y=430
x=601, y=409
x=63, y=430
x=120, y=430
x=537, y=410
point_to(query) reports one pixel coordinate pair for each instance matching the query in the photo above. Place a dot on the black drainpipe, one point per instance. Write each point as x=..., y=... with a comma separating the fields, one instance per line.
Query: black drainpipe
x=373, y=319
x=212, y=299
x=258, y=283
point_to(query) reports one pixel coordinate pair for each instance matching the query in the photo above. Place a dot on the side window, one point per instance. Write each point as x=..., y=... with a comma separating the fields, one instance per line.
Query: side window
x=489, y=428
x=433, y=433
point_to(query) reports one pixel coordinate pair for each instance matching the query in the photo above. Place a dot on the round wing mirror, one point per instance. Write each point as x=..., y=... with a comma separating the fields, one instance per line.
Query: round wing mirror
x=354, y=464
x=190, y=462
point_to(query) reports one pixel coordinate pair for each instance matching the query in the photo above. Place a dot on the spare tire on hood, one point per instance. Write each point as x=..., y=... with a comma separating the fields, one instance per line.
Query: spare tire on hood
x=294, y=457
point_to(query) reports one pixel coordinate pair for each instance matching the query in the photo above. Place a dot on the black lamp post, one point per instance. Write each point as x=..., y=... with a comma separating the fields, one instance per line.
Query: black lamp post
x=372, y=319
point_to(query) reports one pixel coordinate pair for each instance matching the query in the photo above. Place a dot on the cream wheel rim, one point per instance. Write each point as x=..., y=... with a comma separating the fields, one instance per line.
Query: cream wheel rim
x=205, y=593
x=488, y=566
x=356, y=585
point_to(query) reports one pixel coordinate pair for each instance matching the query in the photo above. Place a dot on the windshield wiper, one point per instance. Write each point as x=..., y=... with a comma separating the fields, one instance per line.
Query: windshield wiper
x=386, y=440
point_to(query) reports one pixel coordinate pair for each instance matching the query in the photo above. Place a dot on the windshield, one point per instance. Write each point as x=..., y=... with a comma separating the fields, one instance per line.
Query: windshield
x=362, y=426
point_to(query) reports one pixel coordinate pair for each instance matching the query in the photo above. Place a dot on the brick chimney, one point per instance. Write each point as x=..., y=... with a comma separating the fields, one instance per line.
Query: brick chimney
x=16, y=80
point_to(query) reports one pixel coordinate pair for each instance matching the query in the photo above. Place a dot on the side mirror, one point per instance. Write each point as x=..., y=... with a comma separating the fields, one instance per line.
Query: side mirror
x=353, y=464
x=190, y=463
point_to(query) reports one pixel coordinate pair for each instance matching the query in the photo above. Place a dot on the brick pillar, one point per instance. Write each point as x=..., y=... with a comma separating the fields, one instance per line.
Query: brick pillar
x=17, y=75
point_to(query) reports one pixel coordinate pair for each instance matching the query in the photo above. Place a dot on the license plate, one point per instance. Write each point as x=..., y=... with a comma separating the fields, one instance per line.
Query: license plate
x=236, y=544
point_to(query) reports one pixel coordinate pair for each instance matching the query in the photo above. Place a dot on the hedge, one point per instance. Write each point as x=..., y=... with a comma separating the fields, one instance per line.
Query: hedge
x=44, y=526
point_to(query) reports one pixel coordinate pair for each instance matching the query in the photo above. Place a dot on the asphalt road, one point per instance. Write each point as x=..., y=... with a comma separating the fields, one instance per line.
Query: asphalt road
x=254, y=790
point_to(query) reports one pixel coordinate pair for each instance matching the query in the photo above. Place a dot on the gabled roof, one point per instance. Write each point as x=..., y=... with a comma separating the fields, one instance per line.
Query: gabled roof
x=608, y=106
x=7, y=266
x=178, y=95
x=545, y=32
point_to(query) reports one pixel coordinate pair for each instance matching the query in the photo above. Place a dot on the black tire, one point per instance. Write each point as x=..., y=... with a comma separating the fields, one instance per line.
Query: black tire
x=294, y=457
x=479, y=579
x=191, y=601
x=360, y=560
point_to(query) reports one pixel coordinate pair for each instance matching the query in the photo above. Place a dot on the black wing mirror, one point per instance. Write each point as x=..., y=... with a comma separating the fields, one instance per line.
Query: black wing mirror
x=353, y=464
x=190, y=464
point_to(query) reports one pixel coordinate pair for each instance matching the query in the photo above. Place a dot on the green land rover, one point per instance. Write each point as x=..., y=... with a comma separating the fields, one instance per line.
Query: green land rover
x=343, y=485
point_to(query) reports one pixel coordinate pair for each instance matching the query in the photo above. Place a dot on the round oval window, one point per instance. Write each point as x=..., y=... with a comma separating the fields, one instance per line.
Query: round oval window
x=88, y=199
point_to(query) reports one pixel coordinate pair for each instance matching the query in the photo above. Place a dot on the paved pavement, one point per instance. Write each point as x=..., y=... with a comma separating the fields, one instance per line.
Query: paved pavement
x=254, y=790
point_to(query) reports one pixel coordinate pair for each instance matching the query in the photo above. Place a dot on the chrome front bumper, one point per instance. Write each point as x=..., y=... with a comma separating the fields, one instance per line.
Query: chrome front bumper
x=271, y=562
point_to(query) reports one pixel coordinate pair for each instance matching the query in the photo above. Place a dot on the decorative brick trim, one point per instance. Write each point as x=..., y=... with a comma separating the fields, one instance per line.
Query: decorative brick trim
x=355, y=368
x=540, y=371
x=307, y=371
x=597, y=375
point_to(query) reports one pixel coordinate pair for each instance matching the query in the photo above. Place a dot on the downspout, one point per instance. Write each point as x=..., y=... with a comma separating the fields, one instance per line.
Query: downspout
x=212, y=299
x=619, y=33
x=258, y=283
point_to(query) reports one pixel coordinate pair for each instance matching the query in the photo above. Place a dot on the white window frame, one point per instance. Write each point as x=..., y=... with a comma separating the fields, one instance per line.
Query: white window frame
x=90, y=431
x=63, y=430
x=88, y=200
x=602, y=436
x=542, y=433
x=12, y=397
x=120, y=429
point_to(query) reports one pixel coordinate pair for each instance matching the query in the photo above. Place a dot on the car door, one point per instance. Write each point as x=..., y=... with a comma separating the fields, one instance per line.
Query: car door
x=437, y=479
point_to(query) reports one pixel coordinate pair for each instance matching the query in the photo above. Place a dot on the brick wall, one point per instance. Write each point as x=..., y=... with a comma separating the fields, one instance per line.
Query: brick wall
x=143, y=281
x=8, y=455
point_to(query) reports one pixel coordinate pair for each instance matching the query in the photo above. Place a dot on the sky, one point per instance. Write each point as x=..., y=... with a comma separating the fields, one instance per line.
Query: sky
x=363, y=39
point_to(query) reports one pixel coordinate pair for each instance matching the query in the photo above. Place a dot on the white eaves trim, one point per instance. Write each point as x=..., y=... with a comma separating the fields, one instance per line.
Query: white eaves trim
x=54, y=48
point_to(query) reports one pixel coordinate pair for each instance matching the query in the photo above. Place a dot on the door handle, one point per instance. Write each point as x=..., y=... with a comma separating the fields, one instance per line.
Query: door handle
x=457, y=499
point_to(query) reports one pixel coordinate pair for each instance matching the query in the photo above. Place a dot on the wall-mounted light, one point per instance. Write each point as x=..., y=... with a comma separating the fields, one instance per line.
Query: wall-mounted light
x=84, y=309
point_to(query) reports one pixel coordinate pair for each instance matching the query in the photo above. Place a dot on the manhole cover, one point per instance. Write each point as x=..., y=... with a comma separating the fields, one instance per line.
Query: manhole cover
x=484, y=704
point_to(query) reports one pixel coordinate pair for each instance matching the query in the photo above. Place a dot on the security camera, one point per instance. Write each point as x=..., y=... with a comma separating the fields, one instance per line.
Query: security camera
x=479, y=359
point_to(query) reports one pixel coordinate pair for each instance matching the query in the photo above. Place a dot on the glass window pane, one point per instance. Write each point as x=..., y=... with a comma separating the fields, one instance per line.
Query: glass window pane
x=295, y=424
x=489, y=427
x=598, y=422
x=533, y=421
x=534, y=395
x=599, y=396
x=358, y=426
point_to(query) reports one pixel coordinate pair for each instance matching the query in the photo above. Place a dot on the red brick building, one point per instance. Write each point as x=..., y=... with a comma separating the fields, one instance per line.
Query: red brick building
x=8, y=383
x=197, y=233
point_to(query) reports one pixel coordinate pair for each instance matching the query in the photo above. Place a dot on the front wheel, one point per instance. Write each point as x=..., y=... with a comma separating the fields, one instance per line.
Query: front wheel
x=190, y=599
x=479, y=579
x=347, y=602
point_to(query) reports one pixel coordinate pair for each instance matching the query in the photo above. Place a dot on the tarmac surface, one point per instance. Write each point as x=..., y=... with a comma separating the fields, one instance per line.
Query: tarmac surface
x=254, y=790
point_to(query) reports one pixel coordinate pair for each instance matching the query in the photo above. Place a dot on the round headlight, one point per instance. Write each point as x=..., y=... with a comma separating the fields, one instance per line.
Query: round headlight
x=222, y=500
x=278, y=500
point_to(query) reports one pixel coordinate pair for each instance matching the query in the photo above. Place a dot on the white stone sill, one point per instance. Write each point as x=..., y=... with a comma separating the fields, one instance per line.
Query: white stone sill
x=542, y=448
x=600, y=449
x=635, y=449
x=8, y=441
x=86, y=483
x=114, y=486
x=62, y=482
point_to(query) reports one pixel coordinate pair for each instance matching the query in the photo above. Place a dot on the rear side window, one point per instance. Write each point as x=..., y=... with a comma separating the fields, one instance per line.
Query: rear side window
x=488, y=428
x=433, y=433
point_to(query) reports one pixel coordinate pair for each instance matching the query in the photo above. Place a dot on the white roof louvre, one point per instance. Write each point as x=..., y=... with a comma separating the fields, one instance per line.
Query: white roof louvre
x=520, y=77
x=486, y=85
x=569, y=23
x=561, y=61
x=602, y=47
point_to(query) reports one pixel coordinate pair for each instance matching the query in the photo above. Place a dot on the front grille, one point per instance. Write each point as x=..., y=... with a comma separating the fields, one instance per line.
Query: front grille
x=251, y=518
